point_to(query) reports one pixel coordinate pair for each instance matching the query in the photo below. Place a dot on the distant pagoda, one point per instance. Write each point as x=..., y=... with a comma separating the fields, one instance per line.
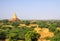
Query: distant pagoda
x=14, y=18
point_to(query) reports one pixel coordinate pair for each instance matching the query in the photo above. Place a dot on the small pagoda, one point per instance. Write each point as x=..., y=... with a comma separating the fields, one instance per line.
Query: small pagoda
x=14, y=18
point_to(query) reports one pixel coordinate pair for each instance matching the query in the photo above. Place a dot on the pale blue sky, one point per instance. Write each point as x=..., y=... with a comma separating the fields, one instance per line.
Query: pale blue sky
x=30, y=9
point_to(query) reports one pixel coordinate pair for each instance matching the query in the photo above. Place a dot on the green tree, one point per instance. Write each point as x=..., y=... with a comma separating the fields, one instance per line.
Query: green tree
x=23, y=31
x=31, y=36
x=2, y=35
x=55, y=38
x=15, y=24
x=5, y=21
x=27, y=22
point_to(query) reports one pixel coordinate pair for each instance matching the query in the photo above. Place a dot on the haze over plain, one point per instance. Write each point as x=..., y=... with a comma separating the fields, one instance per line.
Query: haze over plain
x=30, y=9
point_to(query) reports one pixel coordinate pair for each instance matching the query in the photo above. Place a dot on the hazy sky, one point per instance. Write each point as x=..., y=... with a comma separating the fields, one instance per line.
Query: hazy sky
x=30, y=9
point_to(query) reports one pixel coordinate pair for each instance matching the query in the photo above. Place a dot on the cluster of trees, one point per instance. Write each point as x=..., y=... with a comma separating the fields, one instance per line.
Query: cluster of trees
x=12, y=31
x=52, y=25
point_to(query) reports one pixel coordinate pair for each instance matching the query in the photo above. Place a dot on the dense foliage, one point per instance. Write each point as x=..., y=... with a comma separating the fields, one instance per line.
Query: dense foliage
x=14, y=32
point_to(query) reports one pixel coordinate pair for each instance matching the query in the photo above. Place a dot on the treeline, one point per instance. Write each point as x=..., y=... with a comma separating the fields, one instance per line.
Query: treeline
x=12, y=31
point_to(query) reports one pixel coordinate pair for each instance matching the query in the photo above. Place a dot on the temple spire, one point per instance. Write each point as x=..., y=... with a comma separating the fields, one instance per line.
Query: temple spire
x=14, y=15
